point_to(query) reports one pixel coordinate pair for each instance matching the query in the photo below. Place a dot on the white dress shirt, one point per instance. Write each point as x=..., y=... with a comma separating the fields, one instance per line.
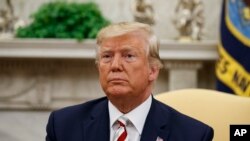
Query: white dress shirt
x=137, y=118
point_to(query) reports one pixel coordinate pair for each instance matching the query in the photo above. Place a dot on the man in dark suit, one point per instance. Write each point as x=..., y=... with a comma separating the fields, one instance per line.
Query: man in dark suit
x=128, y=62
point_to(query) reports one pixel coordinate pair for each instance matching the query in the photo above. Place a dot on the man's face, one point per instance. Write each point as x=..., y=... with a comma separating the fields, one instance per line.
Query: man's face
x=124, y=68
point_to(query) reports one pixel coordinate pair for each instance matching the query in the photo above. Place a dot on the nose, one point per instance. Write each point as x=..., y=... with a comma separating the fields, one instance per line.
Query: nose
x=116, y=64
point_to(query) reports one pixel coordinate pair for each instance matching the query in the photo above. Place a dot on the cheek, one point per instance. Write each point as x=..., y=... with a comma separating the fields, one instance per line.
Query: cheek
x=100, y=71
x=102, y=68
x=140, y=74
x=103, y=73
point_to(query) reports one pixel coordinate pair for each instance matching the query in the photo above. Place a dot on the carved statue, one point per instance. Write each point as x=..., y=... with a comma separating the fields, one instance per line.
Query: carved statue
x=6, y=17
x=143, y=12
x=8, y=22
x=189, y=19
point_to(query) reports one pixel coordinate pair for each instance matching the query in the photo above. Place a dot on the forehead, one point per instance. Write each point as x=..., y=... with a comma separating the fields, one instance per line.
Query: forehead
x=128, y=40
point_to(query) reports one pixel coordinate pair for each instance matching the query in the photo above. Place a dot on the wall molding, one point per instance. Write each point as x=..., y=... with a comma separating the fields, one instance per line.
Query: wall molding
x=72, y=49
x=50, y=73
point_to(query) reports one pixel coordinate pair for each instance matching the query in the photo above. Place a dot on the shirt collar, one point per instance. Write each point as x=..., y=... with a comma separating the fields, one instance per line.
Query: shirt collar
x=137, y=116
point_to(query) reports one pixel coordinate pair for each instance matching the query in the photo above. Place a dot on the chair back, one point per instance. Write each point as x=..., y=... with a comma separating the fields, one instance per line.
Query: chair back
x=217, y=109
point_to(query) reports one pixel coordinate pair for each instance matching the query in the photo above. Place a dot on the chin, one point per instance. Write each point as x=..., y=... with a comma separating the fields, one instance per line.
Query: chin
x=117, y=92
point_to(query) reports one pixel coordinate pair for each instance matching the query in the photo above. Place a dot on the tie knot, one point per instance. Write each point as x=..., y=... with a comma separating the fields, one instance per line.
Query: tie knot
x=121, y=132
x=123, y=121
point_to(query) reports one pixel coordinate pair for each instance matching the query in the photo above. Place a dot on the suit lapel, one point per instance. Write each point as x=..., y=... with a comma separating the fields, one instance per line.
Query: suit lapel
x=156, y=124
x=97, y=127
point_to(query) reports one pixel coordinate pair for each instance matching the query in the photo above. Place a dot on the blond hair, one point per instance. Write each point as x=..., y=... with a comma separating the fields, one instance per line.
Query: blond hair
x=122, y=28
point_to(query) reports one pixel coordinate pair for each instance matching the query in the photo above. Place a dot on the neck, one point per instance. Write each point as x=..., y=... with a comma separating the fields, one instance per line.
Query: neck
x=125, y=105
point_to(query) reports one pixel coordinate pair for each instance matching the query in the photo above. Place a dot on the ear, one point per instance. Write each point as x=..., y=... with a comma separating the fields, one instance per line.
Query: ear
x=154, y=72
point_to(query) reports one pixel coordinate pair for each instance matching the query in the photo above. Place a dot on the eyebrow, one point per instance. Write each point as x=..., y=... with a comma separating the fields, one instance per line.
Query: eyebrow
x=125, y=48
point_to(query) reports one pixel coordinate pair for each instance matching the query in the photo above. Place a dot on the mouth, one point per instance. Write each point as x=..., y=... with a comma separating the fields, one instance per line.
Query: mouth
x=117, y=80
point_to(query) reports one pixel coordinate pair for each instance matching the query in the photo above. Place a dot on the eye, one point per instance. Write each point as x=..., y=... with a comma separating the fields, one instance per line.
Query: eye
x=106, y=57
x=129, y=57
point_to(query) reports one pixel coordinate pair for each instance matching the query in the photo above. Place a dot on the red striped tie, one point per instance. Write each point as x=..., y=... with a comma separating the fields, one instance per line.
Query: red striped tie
x=121, y=133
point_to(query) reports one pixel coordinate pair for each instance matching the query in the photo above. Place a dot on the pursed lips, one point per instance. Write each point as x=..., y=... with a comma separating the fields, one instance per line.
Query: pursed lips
x=117, y=80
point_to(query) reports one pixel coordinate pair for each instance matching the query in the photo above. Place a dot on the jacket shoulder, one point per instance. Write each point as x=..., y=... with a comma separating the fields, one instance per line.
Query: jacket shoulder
x=184, y=125
x=176, y=115
x=80, y=111
x=66, y=123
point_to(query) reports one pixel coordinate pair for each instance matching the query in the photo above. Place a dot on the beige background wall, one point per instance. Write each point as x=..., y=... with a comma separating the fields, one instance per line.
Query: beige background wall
x=120, y=10
x=30, y=125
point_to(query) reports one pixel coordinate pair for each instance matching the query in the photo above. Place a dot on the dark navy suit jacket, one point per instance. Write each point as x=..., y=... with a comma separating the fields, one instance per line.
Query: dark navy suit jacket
x=90, y=122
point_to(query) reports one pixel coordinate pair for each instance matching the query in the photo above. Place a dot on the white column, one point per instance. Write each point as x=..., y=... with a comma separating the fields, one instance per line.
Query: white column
x=182, y=74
